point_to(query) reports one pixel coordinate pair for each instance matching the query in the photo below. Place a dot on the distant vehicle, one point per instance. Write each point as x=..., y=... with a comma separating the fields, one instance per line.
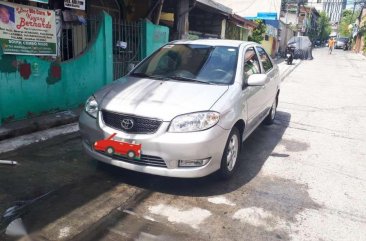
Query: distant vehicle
x=341, y=43
x=302, y=47
x=113, y=147
x=317, y=43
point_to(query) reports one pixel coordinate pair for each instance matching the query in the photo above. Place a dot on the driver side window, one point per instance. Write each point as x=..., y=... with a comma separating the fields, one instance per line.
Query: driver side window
x=251, y=63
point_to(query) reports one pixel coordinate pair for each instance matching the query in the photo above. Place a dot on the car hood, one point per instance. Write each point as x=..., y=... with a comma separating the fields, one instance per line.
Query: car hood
x=158, y=99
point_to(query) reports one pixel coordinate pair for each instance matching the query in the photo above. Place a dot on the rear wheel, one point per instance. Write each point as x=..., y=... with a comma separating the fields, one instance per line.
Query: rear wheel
x=231, y=154
x=110, y=150
x=272, y=113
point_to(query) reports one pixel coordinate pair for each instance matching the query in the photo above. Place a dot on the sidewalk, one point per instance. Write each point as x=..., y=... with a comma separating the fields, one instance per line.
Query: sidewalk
x=25, y=132
x=286, y=69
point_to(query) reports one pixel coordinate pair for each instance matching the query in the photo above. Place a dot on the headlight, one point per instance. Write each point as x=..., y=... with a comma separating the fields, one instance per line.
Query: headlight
x=194, y=122
x=91, y=107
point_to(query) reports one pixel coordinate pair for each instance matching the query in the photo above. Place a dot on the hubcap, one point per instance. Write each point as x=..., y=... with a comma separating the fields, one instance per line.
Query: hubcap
x=232, y=152
x=274, y=109
x=130, y=154
x=109, y=150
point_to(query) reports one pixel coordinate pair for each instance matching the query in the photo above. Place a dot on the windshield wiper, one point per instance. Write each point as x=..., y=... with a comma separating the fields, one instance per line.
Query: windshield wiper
x=143, y=75
x=189, y=79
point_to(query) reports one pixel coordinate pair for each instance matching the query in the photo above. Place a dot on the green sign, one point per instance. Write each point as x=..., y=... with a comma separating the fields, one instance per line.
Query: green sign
x=27, y=30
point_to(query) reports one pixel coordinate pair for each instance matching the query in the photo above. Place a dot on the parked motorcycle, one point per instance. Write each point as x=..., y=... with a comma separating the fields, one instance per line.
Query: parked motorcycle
x=346, y=46
x=317, y=44
x=290, y=54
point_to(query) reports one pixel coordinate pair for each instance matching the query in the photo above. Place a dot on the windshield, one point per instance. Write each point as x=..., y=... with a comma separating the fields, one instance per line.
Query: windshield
x=343, y=39
x=188, y=62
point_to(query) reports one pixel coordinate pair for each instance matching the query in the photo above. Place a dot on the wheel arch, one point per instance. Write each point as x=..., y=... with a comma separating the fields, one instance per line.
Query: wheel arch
x=240, y=124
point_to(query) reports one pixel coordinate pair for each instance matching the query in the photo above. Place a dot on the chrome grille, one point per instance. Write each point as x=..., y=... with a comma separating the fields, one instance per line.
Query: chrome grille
x=141, y=125
x=145, y=160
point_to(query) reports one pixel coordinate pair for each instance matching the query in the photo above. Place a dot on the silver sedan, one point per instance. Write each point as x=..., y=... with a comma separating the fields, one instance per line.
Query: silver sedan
x=185, y=110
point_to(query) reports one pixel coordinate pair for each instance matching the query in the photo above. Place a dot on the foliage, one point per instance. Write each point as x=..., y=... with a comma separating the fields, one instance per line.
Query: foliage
x=347, y=19
x=258, y=32
x=324, y=28
x=313, y=34
x=234, y=32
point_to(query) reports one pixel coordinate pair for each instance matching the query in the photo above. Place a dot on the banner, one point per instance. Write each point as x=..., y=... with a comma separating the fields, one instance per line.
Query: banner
x=27, y=30
x=40, y=1
x=76, y=4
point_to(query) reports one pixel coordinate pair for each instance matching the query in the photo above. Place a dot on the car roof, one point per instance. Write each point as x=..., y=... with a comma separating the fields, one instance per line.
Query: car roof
x=214, y=42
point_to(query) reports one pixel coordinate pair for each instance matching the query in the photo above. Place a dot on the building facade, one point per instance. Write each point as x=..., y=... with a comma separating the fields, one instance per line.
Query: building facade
x=333, y=8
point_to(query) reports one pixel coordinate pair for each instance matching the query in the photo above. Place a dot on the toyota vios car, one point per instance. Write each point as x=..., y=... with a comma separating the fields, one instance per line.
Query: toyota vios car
x=189, y=106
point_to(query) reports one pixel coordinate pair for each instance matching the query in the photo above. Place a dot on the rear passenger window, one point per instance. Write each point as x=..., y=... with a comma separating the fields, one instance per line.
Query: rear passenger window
x=266, y=61
x=251, y=63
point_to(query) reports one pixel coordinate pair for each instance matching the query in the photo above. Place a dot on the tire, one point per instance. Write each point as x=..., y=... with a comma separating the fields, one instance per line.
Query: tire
x=131, y=154
x=231, y=155
x=272, y=113
x=110, y=151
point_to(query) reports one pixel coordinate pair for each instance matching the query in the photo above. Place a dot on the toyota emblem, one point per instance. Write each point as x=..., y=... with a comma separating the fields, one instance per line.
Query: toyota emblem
x=127, y=124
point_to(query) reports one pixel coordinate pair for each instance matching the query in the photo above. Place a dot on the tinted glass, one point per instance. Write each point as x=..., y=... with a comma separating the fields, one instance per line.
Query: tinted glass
x=251, y=65
x=266, y=62
x=212, y=64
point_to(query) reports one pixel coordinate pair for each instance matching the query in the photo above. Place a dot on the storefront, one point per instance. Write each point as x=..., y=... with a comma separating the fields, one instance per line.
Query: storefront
x=56, y=53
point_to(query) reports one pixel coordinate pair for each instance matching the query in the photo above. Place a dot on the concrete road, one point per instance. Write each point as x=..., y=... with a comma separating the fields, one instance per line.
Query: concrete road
x=303, y=178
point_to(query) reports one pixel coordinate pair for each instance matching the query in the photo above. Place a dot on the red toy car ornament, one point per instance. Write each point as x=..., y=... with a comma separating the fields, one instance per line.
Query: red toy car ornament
x=113, y=147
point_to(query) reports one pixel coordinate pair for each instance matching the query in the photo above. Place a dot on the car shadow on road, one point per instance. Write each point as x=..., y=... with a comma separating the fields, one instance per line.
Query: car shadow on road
x=256, y=150
x=71, y=197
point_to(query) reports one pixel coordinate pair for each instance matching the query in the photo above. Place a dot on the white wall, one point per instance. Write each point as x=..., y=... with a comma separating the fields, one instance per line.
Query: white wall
x=290, y=18
x=316, y=5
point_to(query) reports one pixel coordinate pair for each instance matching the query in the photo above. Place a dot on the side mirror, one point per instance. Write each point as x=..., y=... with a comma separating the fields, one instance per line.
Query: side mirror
x=257, y=80
x=130, y=67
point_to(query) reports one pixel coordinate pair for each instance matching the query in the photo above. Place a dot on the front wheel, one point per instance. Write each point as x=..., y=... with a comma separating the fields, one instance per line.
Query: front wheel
x=131, y=154
x=231, y=154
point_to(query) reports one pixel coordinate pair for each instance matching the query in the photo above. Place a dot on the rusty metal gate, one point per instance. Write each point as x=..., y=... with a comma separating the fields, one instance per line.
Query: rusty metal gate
x=129, y=33
x=126, y=42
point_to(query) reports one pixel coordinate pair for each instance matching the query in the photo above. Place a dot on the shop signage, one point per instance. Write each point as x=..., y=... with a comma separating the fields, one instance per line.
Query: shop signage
x=76, y=4
x=27, y=30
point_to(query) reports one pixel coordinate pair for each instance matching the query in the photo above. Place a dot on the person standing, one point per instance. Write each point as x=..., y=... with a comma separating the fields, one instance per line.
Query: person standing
x=331, y=43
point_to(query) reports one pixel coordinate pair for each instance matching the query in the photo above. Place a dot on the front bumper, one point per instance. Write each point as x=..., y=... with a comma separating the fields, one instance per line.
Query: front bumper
x=171, y=147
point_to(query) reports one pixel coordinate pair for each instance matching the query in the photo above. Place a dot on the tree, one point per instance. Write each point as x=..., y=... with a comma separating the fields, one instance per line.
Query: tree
x=258, y=32
x=348, y=17
x=324, y=28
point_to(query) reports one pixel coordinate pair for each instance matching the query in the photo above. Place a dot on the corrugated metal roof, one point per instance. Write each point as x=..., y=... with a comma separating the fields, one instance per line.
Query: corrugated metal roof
x=216, y=5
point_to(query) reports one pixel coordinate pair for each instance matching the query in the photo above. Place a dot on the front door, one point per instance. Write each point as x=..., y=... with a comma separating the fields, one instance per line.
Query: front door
x=271, y=84
x=254, y=95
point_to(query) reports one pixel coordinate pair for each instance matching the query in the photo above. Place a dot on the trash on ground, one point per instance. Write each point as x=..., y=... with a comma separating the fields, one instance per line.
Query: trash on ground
x=19, y=208
x=16, y=228
x=8, y=162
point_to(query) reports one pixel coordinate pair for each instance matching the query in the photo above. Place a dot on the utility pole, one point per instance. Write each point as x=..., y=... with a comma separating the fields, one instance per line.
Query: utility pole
x=297, y=16
x=181, y=19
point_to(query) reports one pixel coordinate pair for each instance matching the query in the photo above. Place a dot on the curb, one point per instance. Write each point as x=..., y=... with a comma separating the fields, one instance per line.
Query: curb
x=36, y=137
x=289, y=71
x=39, y=123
